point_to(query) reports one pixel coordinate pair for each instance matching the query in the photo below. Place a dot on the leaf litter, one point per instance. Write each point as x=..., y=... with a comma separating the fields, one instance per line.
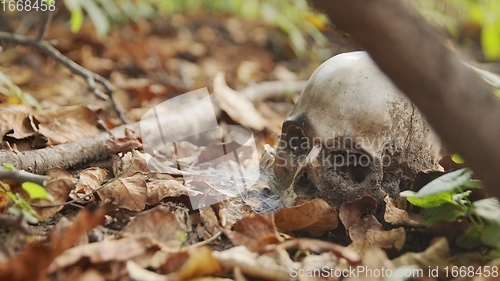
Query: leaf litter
x=150, y=227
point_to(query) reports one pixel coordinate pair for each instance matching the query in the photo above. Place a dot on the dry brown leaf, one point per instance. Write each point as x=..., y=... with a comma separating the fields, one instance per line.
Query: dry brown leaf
x=351, y=212
x=18, y=74
x=391, y=239
x=89, y=275
x=128, y=193
x=358, y=231
x=435, y=256
x=104, y=251
x=64, y=124
x=237, y=106
x=90, y=180
x=129, y=164
x=138, y=273
x=368, y=232
x=266, y=267
x=254, y=231
x=127, y=143
x=13, y=122
x=200, y=263
x=374, y=260
x=322, y=262
x=398, y=217
x=319, y=246
x=313, y=216
x=162, y=225
x=160, y=189
x=33, y=262
x=59, y=187
x=210, y=221
x=172, y=262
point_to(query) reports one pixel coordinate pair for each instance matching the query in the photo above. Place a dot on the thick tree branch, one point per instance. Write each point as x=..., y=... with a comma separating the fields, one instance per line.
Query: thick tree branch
x=93, y=148
x=460, y=106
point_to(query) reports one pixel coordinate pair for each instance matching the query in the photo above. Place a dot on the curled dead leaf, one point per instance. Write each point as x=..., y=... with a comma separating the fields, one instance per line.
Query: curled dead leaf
x=127, y=143
x=254, y=231
x=313, y=216
x=59, y=187
x=90, y=180
x=107, y=250
x=237, y=106
x=399, y=217
x=160, y=189
x=128, y=193
x=352, y=212
x=64, y=124
x=161, y=224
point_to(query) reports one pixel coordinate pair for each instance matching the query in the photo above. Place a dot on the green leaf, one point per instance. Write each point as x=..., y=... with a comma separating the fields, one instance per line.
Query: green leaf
x=12, y=196
x=76, y=20
x=182, y=236
x=471, y=238
x=23, y=208
x=440, y=190
x=457, y=158
x=447, y=183
x=8, y=166
x=490, y=41
x=99, y=19
x=429, y=201
x=493, y=254
x=444, y=212
x=472, y=183
x=36, y=191
x=491, y=236
x=489, y=210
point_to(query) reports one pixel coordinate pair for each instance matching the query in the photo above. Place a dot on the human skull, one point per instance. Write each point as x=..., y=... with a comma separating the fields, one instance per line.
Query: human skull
x=352, y=133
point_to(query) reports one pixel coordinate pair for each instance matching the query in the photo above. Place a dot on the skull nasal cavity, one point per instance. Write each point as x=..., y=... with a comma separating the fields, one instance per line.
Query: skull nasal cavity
x=355, y=166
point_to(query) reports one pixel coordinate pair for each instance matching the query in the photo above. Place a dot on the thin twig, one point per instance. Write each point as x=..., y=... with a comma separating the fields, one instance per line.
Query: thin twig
x=46, y=22
x=204, y=242
x=90, y=77
x=22, y=176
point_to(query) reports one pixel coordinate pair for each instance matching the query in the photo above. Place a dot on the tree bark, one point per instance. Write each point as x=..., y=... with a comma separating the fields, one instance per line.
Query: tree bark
x=461, y=108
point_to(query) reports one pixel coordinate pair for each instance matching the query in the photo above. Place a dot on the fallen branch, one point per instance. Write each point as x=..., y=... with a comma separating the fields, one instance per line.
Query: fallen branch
x=272, y=89
x=21, y=176
x=93, y=148
x=461, y=108
x=90, y=77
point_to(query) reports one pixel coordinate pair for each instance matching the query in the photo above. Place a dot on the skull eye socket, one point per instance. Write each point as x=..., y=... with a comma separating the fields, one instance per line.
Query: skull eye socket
x=294, y=141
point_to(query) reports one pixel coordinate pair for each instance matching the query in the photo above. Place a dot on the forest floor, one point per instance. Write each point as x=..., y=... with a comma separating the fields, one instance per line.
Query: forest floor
x=115, y=218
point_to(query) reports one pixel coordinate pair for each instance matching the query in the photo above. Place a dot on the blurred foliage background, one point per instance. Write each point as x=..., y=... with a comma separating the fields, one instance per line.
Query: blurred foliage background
x=474, y=24
x=468, y=21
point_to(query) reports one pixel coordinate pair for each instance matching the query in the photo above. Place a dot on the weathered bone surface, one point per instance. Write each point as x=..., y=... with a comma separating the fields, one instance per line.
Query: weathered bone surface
x=352, y=133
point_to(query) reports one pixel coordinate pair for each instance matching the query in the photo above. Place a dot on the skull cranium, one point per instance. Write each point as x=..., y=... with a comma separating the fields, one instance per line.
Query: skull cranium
x=352, y=133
